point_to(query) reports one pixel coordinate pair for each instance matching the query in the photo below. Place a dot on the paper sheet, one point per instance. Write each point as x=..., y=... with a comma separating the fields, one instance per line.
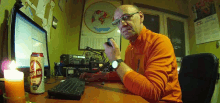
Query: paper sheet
x=50, y=18
x=207, y=29
x=41, y=8
x=48, y=32
x=29, y=12
x=40, y=12
x=32, y=5
x=23, y=8
x=44, y=22
x=52, y=4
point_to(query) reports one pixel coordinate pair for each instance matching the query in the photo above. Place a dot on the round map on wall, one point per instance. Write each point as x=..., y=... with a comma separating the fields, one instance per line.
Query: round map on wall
x=98, y=17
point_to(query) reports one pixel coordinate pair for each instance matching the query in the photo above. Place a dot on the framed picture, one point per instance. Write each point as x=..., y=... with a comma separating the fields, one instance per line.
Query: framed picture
x=54, y=23
x=97, y=26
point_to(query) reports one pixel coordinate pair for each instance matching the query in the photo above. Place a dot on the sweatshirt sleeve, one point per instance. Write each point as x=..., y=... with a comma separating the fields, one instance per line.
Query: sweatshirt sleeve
x=151, y=85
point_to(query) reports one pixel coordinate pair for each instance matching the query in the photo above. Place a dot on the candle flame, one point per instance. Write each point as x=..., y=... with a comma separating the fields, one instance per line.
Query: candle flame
x=13, y=65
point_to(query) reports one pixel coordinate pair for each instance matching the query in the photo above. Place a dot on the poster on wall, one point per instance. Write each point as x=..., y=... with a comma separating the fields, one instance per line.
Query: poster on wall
x=206, y=22
x=97, y=24
x=207, y=29
x=203, y=8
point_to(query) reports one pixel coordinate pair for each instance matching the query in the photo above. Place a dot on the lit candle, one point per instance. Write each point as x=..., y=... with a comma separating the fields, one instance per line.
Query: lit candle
x=14, y=84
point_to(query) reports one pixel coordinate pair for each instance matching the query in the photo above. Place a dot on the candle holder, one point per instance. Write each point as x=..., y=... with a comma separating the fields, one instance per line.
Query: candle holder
x=24, y=99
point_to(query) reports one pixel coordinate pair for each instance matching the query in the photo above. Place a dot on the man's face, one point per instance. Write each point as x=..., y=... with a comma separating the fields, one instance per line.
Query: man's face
x=131, y=27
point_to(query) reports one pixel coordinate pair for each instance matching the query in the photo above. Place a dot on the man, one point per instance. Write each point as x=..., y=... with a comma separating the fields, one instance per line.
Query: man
x=150, y=68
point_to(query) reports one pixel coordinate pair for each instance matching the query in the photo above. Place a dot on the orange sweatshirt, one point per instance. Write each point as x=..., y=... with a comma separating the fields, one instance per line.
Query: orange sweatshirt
x=155, y=76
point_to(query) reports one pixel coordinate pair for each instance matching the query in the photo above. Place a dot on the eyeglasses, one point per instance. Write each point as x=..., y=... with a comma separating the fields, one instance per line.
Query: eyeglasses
x=125, y=17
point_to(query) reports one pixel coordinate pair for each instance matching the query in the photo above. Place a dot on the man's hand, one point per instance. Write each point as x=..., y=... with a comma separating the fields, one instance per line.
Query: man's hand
x=90, y=77
x=113, y=52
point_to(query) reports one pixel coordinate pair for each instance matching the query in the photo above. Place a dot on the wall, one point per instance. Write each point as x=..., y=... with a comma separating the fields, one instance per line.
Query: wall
x=178, y=6
x=205, y=47
x=65, y=39
x=74, y=24
x=74, y=30
x=57, y=44
x=73, y=36
x=5, y=7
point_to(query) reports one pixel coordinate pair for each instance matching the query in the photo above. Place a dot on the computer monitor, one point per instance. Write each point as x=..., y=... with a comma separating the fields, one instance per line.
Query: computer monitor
x=25, y=36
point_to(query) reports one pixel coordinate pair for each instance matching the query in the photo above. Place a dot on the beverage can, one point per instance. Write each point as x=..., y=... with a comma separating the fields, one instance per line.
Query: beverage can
x=37, y=73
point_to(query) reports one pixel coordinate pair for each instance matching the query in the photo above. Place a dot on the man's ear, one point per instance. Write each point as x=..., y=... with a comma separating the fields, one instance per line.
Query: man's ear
x=141, y=17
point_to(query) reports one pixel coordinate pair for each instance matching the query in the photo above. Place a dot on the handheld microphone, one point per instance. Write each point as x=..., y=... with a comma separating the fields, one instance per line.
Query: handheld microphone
x=108, y=42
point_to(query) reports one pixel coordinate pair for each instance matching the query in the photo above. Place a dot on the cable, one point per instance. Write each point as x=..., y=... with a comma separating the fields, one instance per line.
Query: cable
x=83, y=52
x=54, y=76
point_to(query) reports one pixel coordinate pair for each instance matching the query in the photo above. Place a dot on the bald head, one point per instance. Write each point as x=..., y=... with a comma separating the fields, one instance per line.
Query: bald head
x=127, y=8
x=132, y=22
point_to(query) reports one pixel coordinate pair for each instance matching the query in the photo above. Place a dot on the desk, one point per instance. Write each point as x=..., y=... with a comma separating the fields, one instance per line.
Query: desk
x=110, y=92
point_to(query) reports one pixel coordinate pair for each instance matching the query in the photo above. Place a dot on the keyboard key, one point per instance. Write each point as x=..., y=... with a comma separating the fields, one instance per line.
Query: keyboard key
x=70, y=89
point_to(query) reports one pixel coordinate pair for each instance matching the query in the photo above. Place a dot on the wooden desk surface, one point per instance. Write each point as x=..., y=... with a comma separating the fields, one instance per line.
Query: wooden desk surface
x=110, y=92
